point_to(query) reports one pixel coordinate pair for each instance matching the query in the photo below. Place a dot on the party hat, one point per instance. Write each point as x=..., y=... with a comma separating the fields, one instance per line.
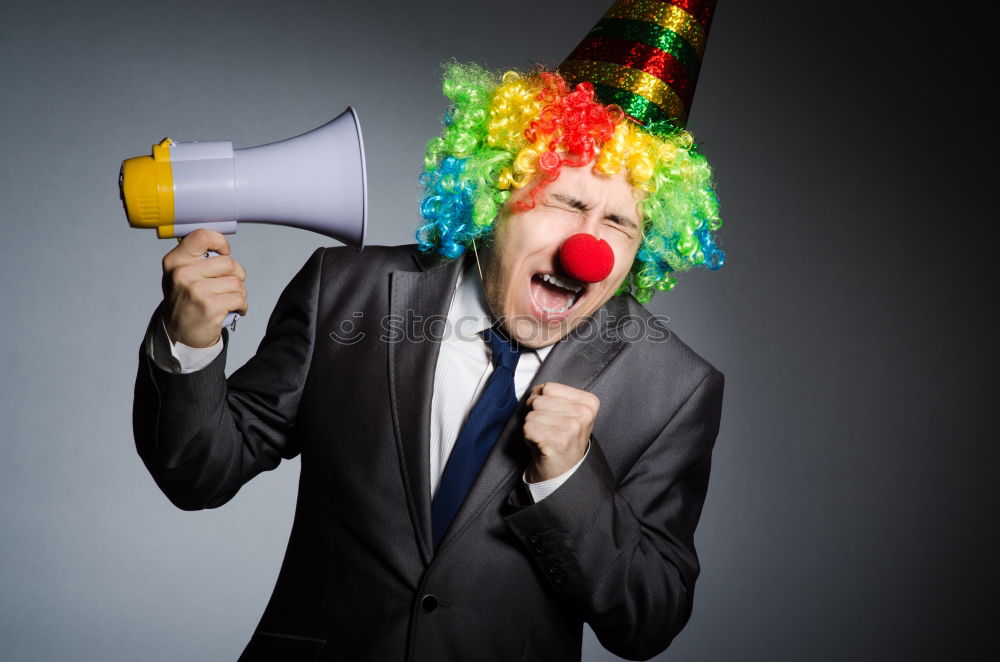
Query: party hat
x=644, y=56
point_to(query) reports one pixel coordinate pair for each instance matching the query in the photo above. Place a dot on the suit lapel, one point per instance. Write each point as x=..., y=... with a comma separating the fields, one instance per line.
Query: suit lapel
x=577, y=361
x=416, y=296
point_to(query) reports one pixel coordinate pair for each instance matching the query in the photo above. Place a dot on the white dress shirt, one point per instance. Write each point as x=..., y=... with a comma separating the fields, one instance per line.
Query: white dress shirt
x=463, y=367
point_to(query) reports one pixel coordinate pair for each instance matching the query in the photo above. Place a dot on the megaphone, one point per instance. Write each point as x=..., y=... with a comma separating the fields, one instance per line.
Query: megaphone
x=315, y=181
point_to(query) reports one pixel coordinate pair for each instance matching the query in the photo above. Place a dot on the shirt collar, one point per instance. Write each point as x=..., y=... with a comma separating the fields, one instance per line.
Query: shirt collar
x=469, y=312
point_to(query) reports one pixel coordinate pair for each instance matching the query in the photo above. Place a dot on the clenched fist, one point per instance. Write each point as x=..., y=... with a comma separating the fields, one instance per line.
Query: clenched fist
x=198, y=293
x=558, y=428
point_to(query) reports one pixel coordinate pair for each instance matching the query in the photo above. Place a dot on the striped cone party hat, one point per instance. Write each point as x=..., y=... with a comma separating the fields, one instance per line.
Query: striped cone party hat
x=644, y=56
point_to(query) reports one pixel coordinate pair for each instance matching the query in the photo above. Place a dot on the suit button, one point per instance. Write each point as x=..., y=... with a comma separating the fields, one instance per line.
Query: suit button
x=539, y=549
x=533, y=538
x=428, y=603
x=559, y=579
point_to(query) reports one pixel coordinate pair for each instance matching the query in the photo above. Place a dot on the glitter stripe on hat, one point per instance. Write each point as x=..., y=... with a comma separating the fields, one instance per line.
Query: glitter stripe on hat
x=636, y=107
x=702, y=10
x=638, y=82
x=665, y=15
x=639, y=56
x=652, y=35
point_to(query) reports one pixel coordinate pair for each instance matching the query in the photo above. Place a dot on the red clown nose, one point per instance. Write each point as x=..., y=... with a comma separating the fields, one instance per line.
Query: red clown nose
x=586, y=258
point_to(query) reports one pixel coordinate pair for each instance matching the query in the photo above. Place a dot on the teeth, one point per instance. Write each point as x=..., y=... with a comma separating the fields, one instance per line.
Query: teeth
x=559, y=282
x=573, y=288
x=563, y=309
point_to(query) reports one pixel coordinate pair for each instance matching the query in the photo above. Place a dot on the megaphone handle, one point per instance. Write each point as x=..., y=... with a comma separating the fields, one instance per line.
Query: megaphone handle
x=231, y=318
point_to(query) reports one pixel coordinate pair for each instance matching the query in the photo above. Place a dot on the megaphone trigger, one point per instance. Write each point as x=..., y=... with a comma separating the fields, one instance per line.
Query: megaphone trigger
x=231, y=318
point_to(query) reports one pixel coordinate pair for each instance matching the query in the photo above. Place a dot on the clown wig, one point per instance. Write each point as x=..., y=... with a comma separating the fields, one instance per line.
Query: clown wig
x=505, y=132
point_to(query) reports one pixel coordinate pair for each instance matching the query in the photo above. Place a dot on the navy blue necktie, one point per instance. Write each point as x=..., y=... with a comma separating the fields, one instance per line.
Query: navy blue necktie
x=480, y=433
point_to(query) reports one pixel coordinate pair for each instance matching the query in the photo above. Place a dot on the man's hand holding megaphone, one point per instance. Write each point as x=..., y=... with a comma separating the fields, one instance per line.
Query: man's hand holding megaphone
x=199, y=293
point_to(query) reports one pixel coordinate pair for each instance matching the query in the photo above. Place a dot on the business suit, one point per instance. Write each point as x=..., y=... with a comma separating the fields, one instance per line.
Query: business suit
x=512, y=579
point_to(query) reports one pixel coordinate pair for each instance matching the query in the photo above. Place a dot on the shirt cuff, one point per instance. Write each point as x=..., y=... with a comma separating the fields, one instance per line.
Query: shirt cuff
x=178, y=358
x=544, y=488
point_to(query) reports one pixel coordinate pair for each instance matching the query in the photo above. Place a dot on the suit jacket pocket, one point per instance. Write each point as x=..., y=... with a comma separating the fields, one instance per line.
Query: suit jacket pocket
x=277, y=647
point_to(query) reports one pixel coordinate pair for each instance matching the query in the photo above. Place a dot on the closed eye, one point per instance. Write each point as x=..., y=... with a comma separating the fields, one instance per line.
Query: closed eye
x=574, y=205
x=564, y=208
x=624, y=228
x=622, y=222
x=570, y=203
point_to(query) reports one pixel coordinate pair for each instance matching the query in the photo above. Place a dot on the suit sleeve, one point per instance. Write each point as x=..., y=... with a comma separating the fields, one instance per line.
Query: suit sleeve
x=202, y=436
x=622, y=555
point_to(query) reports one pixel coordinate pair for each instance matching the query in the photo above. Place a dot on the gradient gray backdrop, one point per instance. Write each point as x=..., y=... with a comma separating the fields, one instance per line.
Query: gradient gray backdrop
x=851, y=514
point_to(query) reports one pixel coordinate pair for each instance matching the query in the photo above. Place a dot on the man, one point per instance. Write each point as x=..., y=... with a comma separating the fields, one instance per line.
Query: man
x=481, y=495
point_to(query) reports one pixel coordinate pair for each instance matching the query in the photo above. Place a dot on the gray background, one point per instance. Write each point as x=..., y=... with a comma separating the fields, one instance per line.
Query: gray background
x=851, y=513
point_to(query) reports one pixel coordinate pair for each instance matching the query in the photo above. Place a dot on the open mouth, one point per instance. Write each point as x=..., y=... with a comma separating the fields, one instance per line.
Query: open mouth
x=555, y=295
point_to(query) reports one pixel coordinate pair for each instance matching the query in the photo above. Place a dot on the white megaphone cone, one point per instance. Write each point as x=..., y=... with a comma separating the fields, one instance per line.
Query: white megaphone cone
x=315, y=181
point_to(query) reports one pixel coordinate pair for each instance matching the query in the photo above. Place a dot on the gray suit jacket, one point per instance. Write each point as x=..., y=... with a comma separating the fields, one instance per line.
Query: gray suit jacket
x=343, y=379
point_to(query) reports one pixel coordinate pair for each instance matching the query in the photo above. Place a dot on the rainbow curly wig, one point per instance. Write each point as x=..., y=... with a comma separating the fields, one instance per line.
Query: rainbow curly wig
x=504, y=132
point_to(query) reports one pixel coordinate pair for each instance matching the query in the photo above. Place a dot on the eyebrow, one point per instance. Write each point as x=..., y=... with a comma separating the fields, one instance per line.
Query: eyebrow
x=580, y=205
